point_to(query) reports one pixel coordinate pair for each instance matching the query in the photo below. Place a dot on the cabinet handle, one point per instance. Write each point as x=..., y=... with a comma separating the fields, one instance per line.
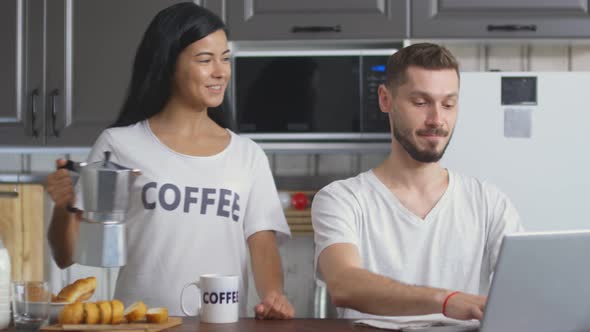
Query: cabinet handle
x=315, y=28
x=53, y=96
x=512, y=27
x=34, y=96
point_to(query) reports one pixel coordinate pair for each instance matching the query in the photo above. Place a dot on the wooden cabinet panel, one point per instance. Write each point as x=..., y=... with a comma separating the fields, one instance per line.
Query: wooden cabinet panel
x=21, y=229
x=33, y=231
x=10, y=227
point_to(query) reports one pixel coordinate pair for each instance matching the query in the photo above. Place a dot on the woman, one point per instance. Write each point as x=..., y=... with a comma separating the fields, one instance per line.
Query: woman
x=204, y=192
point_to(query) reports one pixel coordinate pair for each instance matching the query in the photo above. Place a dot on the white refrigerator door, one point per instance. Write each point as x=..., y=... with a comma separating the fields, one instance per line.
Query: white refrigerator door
x=547, y=175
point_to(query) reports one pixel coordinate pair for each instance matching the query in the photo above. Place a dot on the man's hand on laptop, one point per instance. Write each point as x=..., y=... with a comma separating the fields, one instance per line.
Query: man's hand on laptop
x=464, y=306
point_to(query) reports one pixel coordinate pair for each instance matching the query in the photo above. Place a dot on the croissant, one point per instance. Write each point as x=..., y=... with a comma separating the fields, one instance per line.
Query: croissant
x=80, y=290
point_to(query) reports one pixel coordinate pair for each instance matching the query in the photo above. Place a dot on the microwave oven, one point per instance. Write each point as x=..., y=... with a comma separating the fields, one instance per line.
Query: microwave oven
x=326, y=95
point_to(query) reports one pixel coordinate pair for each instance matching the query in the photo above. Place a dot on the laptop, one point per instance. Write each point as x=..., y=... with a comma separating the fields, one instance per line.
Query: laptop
x=541, y=284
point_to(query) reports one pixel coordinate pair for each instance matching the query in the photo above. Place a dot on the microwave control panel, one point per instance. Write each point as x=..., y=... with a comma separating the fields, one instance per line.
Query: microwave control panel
x=373, y=75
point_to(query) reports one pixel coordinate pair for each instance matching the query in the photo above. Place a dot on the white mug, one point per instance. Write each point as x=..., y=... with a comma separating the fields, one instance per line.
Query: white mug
x=218, y=301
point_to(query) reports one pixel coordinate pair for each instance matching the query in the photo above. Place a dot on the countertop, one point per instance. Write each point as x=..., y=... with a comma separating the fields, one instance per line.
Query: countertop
x=295, y=325
x=254, y=325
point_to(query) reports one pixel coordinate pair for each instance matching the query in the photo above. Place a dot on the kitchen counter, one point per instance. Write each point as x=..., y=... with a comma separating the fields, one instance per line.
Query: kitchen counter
x=23, y=177
x=251, y=325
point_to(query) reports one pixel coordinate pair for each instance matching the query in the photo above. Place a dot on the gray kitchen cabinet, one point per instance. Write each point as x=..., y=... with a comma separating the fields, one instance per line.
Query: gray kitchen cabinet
x=90, y=50
x=216, y=6
x=67, y=64
x=21, y=78
x=500, y=19
x=317, y=19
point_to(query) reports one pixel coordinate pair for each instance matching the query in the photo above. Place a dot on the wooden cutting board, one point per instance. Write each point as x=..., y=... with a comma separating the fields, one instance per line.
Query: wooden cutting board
x=172, y=321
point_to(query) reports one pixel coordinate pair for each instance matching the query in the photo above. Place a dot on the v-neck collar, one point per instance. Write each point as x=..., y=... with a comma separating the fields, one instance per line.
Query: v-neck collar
x=380, y=186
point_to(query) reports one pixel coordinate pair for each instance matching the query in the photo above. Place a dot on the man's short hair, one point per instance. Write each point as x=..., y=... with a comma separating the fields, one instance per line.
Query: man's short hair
x=423, y=55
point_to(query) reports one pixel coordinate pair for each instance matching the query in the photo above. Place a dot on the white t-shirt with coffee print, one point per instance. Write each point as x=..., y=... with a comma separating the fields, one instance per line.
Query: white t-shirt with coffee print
x=189, y=215
x=454, y=247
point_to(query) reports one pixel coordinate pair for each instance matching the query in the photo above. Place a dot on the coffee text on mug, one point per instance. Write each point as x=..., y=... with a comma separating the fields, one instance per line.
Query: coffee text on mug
x=221, y=297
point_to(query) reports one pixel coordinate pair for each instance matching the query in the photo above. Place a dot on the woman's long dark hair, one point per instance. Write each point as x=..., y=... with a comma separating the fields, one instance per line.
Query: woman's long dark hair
x=170, y=32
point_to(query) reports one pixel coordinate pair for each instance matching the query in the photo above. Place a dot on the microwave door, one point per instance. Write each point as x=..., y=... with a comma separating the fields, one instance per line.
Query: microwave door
x=283, y=97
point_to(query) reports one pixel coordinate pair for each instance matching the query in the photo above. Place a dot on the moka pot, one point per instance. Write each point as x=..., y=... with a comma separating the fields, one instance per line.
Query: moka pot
x=105, y=191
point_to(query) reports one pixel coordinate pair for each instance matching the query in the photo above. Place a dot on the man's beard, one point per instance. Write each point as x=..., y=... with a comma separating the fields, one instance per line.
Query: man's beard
x=425, y=156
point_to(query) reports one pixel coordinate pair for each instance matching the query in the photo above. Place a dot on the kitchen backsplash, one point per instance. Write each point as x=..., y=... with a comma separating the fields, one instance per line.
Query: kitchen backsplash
x=281, y=164
x=538, y=55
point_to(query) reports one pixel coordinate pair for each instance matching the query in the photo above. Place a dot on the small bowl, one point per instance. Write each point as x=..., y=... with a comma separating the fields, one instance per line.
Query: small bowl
x=54, y=310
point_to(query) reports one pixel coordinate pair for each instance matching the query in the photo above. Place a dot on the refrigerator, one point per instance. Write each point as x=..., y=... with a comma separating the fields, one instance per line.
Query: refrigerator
x=529, y=134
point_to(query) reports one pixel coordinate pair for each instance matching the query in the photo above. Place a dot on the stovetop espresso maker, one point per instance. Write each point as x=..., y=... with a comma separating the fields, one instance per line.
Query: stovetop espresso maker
x=106, y=188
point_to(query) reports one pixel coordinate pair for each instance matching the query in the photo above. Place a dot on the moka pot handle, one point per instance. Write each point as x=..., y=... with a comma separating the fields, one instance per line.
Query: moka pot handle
x=72, y=166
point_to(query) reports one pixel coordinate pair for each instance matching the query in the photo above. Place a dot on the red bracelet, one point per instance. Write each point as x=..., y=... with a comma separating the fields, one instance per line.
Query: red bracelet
x=447, y=300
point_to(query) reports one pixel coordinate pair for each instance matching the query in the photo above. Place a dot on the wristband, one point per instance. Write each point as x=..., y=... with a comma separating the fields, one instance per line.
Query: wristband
x=444, y=307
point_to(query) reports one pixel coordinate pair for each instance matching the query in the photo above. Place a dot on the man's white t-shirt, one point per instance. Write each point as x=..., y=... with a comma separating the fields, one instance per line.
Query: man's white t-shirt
x=454, y=247
x=189, y=215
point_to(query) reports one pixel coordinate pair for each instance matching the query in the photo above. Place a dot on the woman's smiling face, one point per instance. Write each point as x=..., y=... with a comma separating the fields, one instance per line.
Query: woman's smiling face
x=203, y=71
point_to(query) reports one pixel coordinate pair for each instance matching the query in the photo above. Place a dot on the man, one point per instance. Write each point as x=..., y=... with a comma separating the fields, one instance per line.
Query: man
x=410, y=237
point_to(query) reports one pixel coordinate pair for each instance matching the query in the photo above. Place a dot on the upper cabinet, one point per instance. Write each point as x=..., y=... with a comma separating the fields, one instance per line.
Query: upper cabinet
x=216, y=6
x=317, y=19
x=66, y=66
x=21, y=65
x=500, y=18
x=90, y=50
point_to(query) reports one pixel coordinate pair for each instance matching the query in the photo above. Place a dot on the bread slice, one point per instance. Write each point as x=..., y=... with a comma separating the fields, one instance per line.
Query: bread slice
x=80, y=290
x=91, y=313
x=157, y=315
x=135, y=312
x=72, y=313
x=106, y=312
x=118, y=309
